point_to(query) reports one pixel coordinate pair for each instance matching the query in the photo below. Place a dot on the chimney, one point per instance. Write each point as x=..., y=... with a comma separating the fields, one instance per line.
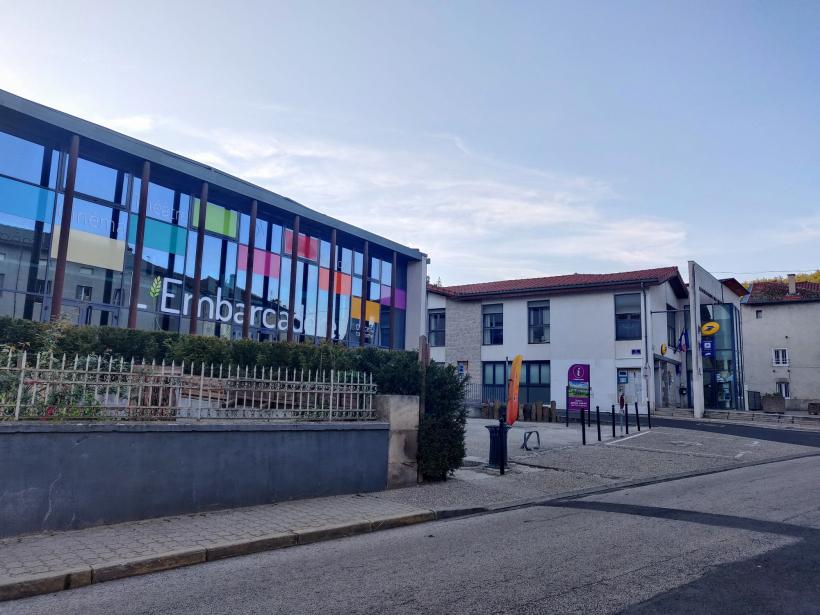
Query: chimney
x=792, y=284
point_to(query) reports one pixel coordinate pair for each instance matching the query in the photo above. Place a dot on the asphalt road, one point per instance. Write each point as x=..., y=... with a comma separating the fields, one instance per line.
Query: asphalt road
x=787, y=436
x=742, y=541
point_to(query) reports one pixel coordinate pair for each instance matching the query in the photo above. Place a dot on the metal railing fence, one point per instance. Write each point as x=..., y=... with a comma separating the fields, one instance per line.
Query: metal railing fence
x=49, y=387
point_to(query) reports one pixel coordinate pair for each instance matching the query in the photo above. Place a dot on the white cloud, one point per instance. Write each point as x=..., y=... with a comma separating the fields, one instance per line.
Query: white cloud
x=477, y=218
x=130, y=124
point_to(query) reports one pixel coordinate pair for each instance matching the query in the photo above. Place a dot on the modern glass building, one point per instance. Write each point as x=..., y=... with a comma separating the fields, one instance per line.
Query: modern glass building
x=104, y=229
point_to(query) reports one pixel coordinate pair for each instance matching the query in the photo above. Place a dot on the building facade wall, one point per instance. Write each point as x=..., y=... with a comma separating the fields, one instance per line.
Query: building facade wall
x=582, y=330
x=794, y=326
x=462, y=336
x=436, y=302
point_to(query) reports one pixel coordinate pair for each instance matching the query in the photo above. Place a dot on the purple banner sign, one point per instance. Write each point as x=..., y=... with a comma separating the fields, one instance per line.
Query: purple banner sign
x=578, y=387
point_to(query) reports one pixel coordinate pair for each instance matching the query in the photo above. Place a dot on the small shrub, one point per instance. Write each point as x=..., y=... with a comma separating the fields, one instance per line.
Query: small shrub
x=441, y=431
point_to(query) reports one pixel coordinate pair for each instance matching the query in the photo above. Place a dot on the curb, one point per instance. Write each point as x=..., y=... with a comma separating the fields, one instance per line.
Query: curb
x=47, y=583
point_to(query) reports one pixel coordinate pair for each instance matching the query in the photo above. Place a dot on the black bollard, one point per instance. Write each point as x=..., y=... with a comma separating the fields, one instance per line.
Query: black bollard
x=502, y=442
x=637, y=417
x=567, y=413
x=589, y=417
x=626, y=417
x=598, y=421
x=613, y=420
x=583, y=428
x=648, y=415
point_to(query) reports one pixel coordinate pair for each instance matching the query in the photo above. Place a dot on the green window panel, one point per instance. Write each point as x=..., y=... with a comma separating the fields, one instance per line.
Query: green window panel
x=160, y=236
x=217, y=219
x=25, y=200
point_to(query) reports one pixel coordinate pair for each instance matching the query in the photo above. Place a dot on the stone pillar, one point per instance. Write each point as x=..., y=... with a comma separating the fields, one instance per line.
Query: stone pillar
x=402, y=413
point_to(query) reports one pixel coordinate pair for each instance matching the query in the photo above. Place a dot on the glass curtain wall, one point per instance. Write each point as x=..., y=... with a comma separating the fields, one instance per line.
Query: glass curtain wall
x=102, y=246
x=163, y=255
x=28, y=179
x=720, y=372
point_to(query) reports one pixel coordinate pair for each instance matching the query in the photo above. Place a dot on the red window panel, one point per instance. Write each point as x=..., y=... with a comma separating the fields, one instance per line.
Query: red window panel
x=308, y=247
x=324, y=278
x=264, y=263
x=343, y=284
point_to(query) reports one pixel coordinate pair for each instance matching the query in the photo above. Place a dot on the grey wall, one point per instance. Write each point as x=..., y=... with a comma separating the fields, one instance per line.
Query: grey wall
x=462, y=336
x=795, y=326
x=64, y=476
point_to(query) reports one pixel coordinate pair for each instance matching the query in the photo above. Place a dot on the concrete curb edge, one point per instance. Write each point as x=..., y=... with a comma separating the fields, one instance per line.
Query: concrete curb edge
x=47, y=583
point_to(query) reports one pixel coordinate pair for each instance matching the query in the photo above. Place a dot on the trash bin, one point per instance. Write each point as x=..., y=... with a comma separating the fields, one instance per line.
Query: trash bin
x=495, y=453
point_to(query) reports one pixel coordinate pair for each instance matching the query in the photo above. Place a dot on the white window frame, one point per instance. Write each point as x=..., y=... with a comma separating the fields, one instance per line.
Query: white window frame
x=783, y=388
x=780, y=357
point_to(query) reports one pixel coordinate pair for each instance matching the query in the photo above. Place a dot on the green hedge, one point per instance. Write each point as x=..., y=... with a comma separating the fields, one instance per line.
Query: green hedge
x=395, y=372
x=441, y=431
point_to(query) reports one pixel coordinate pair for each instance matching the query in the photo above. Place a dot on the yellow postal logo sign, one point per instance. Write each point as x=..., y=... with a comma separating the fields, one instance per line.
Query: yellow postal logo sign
x=709, y=328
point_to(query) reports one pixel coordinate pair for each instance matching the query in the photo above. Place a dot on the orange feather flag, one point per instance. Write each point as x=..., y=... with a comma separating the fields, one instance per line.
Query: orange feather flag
x=512, y=394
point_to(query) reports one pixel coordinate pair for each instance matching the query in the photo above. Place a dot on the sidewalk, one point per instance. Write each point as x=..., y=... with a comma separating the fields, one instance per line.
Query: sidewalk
x=44, y=563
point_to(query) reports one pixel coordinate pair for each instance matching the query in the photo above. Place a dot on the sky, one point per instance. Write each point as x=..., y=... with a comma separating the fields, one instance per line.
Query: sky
x=503, y=139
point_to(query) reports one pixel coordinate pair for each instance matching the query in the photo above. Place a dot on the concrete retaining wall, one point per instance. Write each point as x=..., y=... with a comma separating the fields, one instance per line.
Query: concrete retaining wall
x=66, y=476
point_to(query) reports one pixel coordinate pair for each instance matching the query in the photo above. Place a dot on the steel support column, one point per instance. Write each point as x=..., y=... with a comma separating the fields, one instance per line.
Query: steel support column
x=65, y=229
x=365, y=290
x=393, y=279
x=200, y=245
x=246, y=319
x=294, y=255
x=331, y=287
x=138, y=245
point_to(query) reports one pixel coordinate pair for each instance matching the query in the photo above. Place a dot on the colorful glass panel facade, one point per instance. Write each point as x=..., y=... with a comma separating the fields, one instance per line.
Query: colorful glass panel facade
x=102, y=249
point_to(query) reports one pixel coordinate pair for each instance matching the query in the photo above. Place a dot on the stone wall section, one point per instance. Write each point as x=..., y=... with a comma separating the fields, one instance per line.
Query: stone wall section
x=462, y=336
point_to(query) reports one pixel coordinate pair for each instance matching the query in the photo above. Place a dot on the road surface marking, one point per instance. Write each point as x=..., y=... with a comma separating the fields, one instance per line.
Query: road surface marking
x=628, y=437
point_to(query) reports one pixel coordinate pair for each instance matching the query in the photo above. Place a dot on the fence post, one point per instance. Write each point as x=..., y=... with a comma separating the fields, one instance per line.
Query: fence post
x=598, y=421
x=201, y=385
x=330, y=413
x=20, y=388
x=567, y=406
x=613, y=420
x=583, y=427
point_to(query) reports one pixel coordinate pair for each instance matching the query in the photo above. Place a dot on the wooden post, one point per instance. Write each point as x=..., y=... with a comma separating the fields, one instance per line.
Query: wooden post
x=65, y=230
x=138, y=245
x=200, y=244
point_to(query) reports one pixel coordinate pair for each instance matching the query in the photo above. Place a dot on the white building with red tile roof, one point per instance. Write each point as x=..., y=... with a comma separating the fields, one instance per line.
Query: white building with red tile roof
x=631, y=327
